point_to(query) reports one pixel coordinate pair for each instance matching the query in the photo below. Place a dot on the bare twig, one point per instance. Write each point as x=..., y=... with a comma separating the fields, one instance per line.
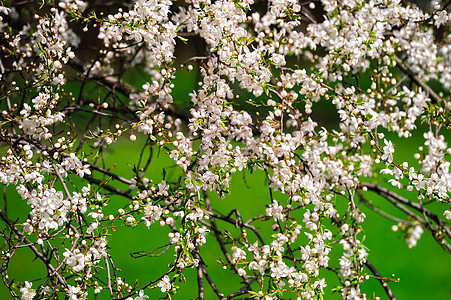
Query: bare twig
x=382, y=281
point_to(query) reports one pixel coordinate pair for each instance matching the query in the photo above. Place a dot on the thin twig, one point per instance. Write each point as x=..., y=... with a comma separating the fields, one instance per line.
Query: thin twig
x=382, y=281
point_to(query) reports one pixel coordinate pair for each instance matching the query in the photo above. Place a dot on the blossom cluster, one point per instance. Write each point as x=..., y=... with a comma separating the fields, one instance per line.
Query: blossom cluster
x=79, y=81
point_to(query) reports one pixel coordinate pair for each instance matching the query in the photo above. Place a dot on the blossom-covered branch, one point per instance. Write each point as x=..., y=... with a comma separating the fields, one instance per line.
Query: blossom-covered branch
x=139, y=116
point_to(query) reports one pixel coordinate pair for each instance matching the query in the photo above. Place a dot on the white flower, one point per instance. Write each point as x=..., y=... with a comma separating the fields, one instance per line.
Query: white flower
x=81, y=171
x=415, y=235
x=276, y=211
x=5, y=10
x=388, y=151
x=278, y=59
x=441, y=18
x=27, y=292
x=238, y=254
x=165, y=284
x=73, y=292
x=141, y=296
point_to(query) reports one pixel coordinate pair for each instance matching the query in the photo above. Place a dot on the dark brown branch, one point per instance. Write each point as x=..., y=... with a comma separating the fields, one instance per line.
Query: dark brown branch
x=235, y=222
x=107, y=187
x=399, y=202
x=243, y=290
x=33, y=248
x=127, y=89
x=382, y=281
x=212, y=284
x=139, y=254
x=387, y=193
x=110, y=288
x=381, y=212
x=217, y=233
x=111, y=174
x=434, y=97
x=200, y=279
x=93, y=111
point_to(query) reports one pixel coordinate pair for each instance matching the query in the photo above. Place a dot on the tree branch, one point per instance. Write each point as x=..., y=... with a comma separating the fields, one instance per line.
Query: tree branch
x=381, y=280
x=434, y=97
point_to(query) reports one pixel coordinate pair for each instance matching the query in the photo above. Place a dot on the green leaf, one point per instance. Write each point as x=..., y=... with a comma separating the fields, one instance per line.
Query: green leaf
x=184, y=40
